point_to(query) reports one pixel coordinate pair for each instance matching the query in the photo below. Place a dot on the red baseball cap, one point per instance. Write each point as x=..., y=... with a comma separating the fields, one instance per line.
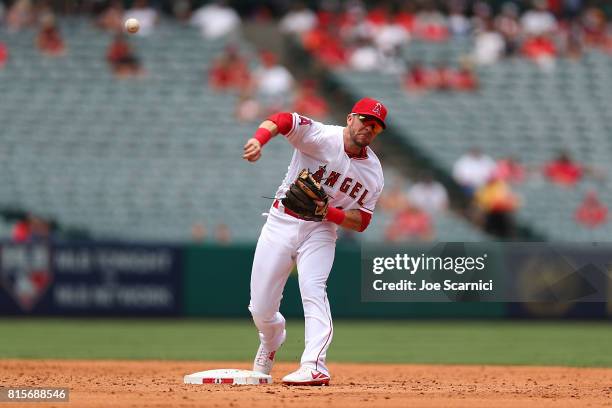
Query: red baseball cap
x=371, y=107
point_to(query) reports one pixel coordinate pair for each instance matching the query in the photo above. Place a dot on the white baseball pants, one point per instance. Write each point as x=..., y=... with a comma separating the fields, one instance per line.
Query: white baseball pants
x=285, y=241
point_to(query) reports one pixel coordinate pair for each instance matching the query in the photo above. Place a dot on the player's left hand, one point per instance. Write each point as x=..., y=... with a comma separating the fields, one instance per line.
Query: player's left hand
x=307, y=198
x=252, y=150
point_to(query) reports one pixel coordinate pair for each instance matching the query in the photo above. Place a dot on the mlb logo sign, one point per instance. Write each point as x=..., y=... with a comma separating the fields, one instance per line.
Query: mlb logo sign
x=25, y=272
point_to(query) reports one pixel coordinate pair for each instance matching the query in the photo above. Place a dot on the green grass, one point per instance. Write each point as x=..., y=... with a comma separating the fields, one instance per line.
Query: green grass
x=396, y=341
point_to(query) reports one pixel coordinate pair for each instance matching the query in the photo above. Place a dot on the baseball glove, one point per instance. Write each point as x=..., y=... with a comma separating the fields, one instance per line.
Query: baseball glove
x=302, y=197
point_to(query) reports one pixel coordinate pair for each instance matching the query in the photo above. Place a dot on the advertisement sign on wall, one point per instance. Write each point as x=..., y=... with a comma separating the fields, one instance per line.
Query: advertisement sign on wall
x=90, y=279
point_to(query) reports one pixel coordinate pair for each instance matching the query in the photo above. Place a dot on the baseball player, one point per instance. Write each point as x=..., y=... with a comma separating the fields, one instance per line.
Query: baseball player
x=339, y=179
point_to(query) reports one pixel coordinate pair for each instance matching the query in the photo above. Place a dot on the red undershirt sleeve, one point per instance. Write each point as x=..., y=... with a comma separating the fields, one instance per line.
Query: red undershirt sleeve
x=365, y=220
x=283, y=120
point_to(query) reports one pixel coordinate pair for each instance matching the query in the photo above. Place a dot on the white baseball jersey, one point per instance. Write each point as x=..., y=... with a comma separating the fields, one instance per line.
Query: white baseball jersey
x=352, y=183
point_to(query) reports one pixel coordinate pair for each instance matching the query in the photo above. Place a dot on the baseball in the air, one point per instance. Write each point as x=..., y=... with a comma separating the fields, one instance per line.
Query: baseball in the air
x=132, y=25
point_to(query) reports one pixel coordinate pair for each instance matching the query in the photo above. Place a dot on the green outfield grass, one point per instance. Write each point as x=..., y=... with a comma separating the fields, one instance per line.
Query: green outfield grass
x=398, y=341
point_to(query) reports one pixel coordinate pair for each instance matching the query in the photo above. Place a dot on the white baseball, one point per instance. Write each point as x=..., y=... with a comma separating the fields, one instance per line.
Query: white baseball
x=132, y=25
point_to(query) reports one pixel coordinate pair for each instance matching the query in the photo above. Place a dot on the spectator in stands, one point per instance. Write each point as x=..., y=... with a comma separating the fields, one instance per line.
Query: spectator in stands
x=482, y=14
x=394, y=197
x=377, y=14
x=572, y=39
x=299, y=20
x=507, y=24
x=229, y=71
x=538, y=20
x=31, y=228
x=563, y=170
x=325, y=43
x=364, y=57
x=410, y=224
x=473, y=169
x=498, y=203
x=111, y=19
x=417, y=80
x=21, y=231
x=20, y=15
x=49, y=40
x=431, y=25
x=392, y=62
x=181, y=10
x=571, y=9
x=274, y=83
x=464, y=79
x=40, y=228
x=390, y=36
x=591, y=213
x=489, y=45
x=428, y=195
x=406, y=16
x=510, y=170
x=458, y=24
x=3, y=54
x=248, y=108
x=595, y=28
x=198, y=232
x=309, y=103
x=442, y=77
x=216, y=20
x=145, y=14
x=223, y=234
x=594, y=24
x=355, y=27
x=541, y=50
x=122, y=59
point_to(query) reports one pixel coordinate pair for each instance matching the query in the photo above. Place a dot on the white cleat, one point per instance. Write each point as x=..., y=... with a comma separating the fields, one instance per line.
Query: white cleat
x=306, y=376
x=264, y=360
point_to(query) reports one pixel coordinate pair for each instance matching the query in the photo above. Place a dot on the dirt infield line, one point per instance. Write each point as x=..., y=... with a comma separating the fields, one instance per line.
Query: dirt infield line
x=104, y=383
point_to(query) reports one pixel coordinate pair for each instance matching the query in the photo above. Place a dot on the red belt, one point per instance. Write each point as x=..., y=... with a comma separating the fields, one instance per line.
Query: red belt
x=286, y=210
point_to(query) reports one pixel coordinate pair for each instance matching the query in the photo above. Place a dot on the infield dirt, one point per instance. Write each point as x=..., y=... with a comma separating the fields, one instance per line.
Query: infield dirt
x=105, y=383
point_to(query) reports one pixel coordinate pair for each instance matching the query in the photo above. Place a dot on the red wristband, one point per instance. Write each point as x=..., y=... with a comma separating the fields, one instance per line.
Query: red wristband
x=335, y=215
x=263, y=135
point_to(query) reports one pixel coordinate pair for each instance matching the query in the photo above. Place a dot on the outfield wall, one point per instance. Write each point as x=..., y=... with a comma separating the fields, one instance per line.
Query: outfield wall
x=115, y=279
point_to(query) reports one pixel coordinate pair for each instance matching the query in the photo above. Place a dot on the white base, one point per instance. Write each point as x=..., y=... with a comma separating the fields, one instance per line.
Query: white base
x=230, y=376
